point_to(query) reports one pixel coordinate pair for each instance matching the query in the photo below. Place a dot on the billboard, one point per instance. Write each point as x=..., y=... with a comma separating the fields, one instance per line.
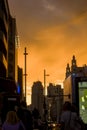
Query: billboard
x=82, y=91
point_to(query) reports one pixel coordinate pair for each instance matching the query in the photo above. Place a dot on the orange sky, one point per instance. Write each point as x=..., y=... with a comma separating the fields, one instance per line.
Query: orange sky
x=52, y=31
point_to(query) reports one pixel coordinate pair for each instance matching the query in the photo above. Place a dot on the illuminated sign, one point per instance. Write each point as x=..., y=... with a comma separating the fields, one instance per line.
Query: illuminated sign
x=83, y=100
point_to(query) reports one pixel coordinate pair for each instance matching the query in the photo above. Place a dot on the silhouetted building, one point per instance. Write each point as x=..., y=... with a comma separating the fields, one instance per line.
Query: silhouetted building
x=75, y=88
x=8, y=41
x=74, y=69
x=71, y=76
x=4, y=19
x=37, y=96
x=12, y=49
x=8, y=59
x=8, y=48
x=55, y=101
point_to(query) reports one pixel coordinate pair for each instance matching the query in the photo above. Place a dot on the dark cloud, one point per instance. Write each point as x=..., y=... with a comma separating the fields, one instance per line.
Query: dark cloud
x=42, y=13
x=47, y=10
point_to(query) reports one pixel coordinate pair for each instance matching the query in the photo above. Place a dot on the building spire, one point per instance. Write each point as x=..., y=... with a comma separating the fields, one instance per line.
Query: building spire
x=68, y=72
x=74, y=65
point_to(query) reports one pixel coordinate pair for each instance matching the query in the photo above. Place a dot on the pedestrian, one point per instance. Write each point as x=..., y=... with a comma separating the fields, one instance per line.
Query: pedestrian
x=40, y=123
x=12, y=122
x=35, y=115
x=69, y=118
x=25, y=116
x=80, y=121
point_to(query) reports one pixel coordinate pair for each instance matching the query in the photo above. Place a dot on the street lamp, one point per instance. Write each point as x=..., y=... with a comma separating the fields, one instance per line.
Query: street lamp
x=25, y=53
x=45, y=94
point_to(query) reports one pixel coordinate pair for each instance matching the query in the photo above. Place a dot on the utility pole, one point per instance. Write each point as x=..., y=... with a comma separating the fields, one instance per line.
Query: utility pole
x=25, y=74
x=44, y=104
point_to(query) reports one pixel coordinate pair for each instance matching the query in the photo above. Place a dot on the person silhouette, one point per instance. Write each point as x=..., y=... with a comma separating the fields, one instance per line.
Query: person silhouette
x=69, y=118
x=12, y=122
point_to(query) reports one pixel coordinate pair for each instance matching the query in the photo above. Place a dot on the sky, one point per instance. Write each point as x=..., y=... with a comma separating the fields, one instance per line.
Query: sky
x=52, y=32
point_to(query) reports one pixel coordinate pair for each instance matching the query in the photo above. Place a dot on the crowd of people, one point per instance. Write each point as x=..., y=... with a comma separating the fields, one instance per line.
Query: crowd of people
x=22, y=118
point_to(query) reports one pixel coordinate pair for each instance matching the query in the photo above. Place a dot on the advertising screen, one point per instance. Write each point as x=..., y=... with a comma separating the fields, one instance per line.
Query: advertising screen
x=83, y=100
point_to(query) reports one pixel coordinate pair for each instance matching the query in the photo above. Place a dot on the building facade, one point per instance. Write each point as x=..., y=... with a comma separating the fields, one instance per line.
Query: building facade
x=54, y=101
x=8, y=59
x=12, y=49
x=8, y=48
x=37, y=97
x=75, y=87
x=4, y=25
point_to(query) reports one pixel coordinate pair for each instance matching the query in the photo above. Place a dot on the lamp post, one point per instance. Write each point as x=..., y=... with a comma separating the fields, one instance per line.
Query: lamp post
x=25, y=53
x=45, y=93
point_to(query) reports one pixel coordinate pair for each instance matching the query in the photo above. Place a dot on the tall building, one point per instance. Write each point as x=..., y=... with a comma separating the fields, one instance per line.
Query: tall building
x=12, y=49
x=72, y=74
x=37, y=96
x=8, y=48
x=8, y=59
x=55, y=101
x=75, y=88
x=4, y=20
